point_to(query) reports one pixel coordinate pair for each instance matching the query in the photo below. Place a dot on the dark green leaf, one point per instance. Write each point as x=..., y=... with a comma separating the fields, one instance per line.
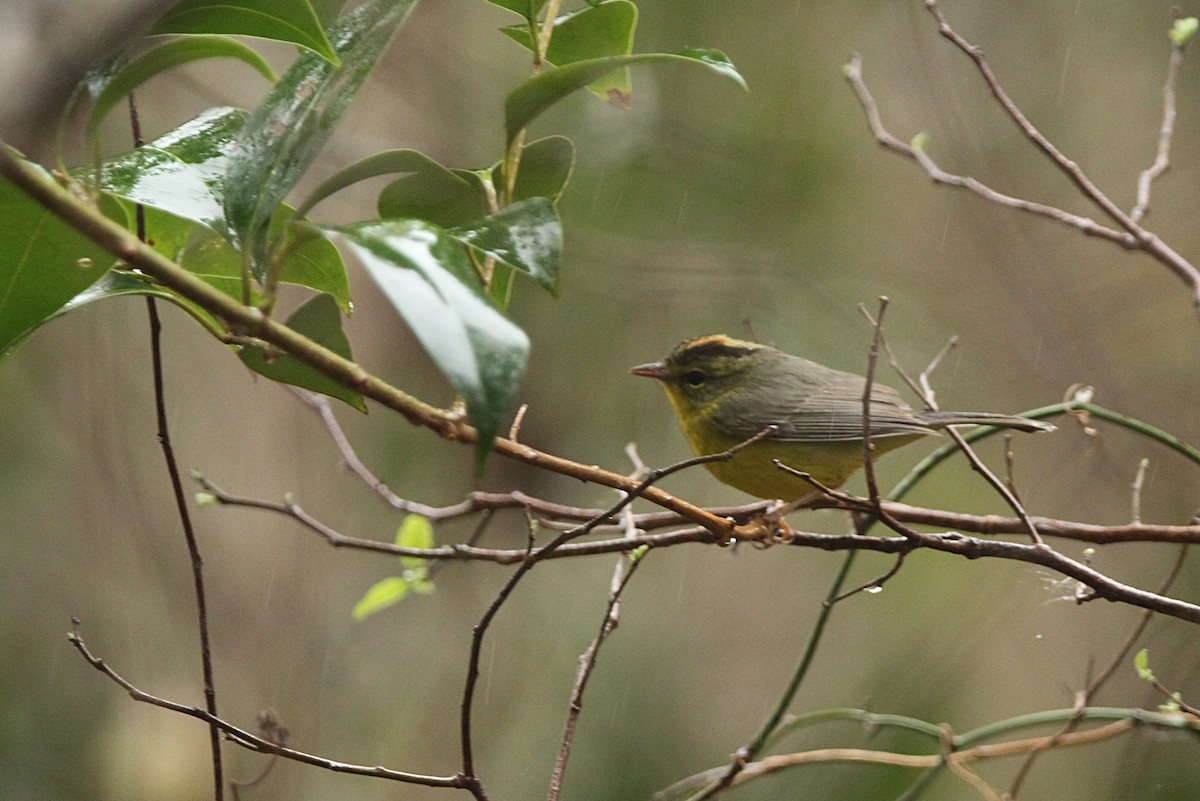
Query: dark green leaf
x=594, y=32
x=537, y=94
x=311, y=260
x=426, y=276
x=43, y=264
x=444, y=197
x=283, y=135
x=529, y=9
x=319, y=320
x=526, y=236
x=443, y=187
x=120, y=283
x=546, y=166
x=162, y=57
x=292, y=21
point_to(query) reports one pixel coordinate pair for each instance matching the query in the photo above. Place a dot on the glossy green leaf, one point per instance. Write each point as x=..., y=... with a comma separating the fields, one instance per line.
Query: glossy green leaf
x=424, y=272
x=593, y=32
x=526, y=236
x=180, y=178
x=537, y=94
x=415, y=532
x=121, y=283
x=441, y=182
x=441, y=196
x=292, y=21
x=545, y=168
x=283, y=135
x=311, y=260
x=43, y=264
x=319, y=320
x=162, y=57
x=529, y=9
x=182, y=172
x=381, y=595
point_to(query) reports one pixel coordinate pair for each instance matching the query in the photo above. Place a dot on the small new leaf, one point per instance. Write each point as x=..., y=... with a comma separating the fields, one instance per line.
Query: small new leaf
x=1141, y=663
x=381, y=595
x=1183, y=30
x=415, y=532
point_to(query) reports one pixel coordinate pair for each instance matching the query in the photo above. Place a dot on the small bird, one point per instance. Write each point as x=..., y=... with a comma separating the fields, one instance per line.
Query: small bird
x=725, y=391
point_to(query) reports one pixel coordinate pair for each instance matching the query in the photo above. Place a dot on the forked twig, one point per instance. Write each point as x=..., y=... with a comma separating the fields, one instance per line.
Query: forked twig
x=1128, y=232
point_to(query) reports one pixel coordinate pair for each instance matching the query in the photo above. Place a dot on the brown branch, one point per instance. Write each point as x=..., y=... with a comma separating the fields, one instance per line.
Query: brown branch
x=1084, y=225
x=779, y=762
x=181, y=505
x=245, y=320
x=1129, y=234
x=1085, y=698
x=1162, y=156
x=253, y=742
x=587, y=663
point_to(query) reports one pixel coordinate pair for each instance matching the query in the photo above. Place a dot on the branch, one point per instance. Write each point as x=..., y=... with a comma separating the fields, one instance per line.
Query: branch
x=587, y=662
x=246, y=320
x=1162, y=157
x=252, y=742
x=959, y=749
x=1128, y=233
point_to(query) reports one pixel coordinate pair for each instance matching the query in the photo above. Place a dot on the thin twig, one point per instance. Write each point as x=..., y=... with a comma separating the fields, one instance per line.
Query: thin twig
x=1129, y=233
x=1088, y=695
x=867, y=445
x=587, y=663
x=1084, y=225
x=1135, y=499
x=181, y=504
x=532, y=557
x=1162, y=156
x=251, y=741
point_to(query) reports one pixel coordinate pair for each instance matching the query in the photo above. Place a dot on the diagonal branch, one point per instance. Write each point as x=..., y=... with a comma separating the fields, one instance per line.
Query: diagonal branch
x=253, y=742
x=1128, y=233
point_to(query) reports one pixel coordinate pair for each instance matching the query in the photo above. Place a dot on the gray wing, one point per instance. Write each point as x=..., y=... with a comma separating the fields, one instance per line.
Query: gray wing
x=812, y=403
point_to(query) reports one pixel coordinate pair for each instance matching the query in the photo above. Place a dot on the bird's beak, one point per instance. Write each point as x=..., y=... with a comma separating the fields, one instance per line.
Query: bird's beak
x=652, y=370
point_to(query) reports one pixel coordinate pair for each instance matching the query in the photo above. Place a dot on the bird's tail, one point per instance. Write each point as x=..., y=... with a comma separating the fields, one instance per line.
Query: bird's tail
x=943, y=419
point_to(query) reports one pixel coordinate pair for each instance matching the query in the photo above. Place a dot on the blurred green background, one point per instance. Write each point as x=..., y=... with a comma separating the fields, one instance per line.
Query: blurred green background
x=701, y=209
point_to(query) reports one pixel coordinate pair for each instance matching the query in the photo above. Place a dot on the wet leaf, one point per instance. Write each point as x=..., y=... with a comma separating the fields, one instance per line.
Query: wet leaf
x=537, y=94
x=292, y=21
x=526, y=236
x=43, y=264
x=319, y=320
x=163, y=57
x=424, y=272
x=283, y=135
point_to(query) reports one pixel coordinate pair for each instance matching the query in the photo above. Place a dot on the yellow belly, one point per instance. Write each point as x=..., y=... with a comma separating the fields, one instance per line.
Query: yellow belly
x=752, y=469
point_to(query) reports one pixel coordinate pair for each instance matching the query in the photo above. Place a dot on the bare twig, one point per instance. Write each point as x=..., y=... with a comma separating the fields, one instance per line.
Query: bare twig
x=1135, y=499
x=1084, y=225
x=1087, y=696
x=181, y=504
x=867, y=446
x=1128, y=233
x=251, y=741
x=1162, y=156
x=587, y=662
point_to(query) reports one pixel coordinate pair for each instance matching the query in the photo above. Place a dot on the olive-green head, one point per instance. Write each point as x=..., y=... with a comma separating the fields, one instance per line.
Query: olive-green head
x=702, y=370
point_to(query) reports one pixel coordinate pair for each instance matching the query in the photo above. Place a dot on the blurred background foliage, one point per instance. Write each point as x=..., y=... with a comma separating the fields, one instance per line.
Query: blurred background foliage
x=700, y=209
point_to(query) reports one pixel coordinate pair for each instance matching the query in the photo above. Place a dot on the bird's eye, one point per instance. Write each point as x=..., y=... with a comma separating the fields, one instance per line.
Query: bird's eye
x=694, y=377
